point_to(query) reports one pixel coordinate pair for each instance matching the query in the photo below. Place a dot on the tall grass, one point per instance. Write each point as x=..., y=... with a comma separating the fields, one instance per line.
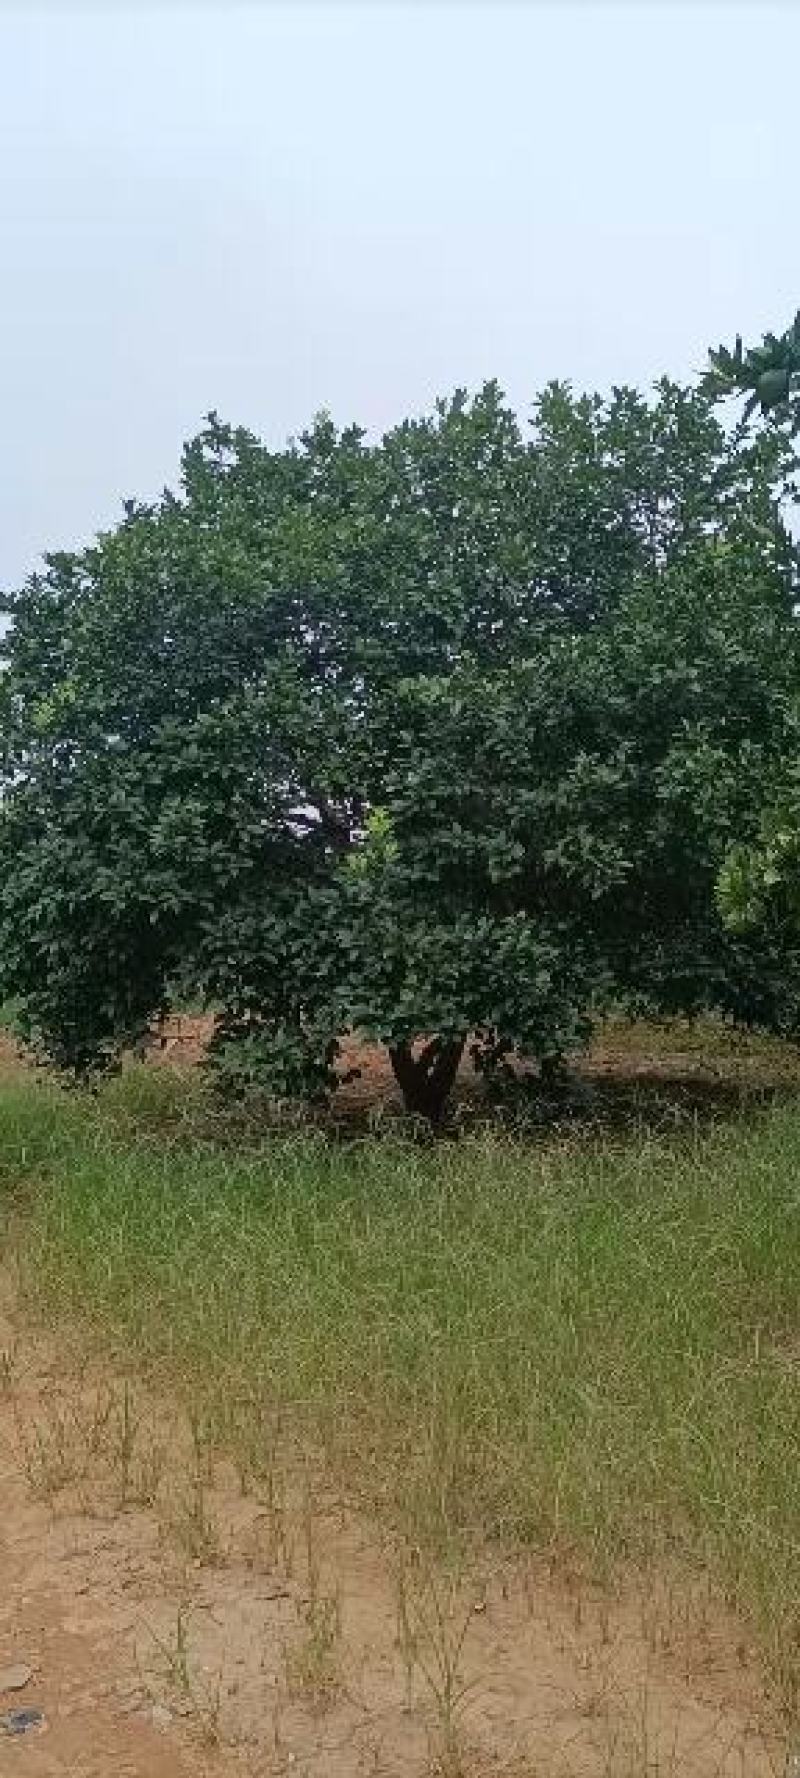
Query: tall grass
x=596, y=1347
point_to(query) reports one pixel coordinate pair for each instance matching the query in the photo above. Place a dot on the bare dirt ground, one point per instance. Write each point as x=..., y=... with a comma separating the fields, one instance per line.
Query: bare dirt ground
x=174, y=1633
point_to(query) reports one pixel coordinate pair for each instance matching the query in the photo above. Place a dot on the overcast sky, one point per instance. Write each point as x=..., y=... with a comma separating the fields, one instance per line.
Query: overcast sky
x=272, y=208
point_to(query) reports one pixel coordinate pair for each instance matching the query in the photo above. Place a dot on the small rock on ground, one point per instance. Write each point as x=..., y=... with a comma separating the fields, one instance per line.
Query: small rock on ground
x=19, y=1722
x=16, y=1677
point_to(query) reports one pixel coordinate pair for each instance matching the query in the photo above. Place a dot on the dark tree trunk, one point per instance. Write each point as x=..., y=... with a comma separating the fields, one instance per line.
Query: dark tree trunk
x=426, y=1081
x=554, y=1074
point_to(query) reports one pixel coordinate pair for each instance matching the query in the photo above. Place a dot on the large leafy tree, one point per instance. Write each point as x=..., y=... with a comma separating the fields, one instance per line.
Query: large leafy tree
x=440, y=739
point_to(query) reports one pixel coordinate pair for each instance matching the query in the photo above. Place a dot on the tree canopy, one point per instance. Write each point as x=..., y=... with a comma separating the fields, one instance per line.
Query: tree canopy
x=760, y=881
x=767, y=374
x=442, y=739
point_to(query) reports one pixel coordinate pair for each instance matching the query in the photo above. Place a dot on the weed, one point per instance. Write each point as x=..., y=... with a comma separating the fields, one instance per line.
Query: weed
x=49, y=1452
x=174, y=1671
x=127, y=1435
x=312, y=1663
x=433, y=1622
x=148, y=1475
x=173, y=1655
x=8, y=1369
x=208, y=1710
x=191, y=1525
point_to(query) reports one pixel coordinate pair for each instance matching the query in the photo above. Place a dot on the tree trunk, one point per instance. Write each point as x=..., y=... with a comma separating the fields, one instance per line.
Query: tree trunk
x=426, y=1081
x=554, y=1074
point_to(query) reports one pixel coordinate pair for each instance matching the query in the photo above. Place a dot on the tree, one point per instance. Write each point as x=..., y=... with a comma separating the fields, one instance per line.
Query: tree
x=760, y=883
x=768, y=374
x=441, y=739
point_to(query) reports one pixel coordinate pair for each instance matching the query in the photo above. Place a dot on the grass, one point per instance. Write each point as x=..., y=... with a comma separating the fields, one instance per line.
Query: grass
x=590, y=1346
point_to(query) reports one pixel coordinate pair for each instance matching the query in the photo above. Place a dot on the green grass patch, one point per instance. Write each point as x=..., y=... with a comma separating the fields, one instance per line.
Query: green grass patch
x=590, y=1345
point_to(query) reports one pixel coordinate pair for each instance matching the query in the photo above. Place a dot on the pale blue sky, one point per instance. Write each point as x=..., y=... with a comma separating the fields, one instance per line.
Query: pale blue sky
x=271, y=208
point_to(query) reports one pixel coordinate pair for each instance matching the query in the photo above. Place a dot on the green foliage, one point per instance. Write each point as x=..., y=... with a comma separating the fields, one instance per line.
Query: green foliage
x=439, y=739
x=759, y=883
x=768, y=374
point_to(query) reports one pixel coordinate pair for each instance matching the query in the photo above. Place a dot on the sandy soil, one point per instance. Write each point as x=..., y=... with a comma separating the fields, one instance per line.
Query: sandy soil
x=267, y=1639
